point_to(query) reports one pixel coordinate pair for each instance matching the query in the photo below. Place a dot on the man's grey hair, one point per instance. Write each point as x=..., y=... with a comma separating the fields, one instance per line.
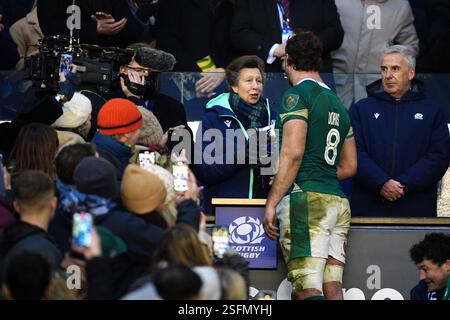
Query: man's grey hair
x=405, y=51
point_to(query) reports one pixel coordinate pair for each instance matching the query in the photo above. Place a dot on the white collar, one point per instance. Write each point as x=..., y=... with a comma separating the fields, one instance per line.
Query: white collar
x=318, y=82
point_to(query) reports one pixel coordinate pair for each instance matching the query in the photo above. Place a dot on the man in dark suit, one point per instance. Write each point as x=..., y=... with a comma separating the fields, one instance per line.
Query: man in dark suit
x=116, y=23
x=194, y=29
x=197, y=33
x=256, y=27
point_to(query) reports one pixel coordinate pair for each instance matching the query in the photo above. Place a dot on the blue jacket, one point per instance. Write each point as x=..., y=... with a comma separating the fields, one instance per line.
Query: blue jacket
x=115, y=152
x=405, y=140
x=224, y=180
x=420, y=292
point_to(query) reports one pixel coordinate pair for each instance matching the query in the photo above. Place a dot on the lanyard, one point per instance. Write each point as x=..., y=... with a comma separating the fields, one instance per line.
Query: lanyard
x=283, y=14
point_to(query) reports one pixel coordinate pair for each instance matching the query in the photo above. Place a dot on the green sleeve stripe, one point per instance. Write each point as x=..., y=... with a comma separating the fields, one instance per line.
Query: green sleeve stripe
x=349, y=134
x=294, y=117
x=299, y=113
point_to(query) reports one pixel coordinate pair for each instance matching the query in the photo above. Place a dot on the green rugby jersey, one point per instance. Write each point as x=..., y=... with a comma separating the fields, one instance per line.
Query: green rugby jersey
x=328, y=126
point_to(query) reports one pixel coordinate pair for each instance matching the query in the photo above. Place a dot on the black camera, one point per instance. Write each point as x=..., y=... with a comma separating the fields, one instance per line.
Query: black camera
x=96, y=65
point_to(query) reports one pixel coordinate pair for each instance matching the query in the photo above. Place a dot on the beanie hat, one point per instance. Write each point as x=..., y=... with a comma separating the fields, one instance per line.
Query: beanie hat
x=151, y=131
x=76, y=112
x=142, y=191
x=169, y=212
x=118, y=116
x=96, y=176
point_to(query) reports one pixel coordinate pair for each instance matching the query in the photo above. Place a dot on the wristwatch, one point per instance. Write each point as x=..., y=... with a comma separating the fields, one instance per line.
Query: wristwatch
x=61, y=98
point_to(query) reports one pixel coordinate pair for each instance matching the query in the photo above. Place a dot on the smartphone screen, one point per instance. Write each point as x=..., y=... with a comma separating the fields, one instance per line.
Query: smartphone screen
x=146, y=158
x=82, y=229
x=220, y=241
x=180, y=176
x=66, y=61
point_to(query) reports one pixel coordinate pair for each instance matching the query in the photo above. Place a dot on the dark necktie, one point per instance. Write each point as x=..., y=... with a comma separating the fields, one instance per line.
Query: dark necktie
x=286, y=6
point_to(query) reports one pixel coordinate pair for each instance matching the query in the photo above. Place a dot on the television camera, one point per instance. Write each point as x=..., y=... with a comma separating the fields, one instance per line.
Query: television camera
x=96, y=65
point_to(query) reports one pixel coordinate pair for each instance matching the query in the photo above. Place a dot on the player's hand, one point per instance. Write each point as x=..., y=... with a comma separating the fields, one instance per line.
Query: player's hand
x=269, y=222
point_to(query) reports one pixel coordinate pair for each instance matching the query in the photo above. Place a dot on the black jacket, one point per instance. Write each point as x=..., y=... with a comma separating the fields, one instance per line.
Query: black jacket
x=53, y=18
x=9, y=53
x=190, y=30
x=432, y=23
x=141, y=239
x=15, y=10
x=21, y=236
x=169, y=111
x=46, y=110
x=255, y=27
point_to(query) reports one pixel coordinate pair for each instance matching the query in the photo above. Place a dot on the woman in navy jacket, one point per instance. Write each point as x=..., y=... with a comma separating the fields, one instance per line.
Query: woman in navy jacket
x=228, y=118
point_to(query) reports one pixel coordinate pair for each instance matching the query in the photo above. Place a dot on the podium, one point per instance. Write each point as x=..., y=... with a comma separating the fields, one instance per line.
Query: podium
x=244, y=220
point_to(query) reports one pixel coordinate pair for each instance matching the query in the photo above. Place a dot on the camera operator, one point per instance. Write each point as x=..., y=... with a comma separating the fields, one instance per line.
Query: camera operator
x=47, y=109
x=140, y=84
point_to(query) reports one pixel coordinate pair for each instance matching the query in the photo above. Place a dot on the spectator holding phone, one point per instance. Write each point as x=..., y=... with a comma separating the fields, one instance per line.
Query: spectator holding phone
x=75, y=123
x=46, y=110
x=145, y=194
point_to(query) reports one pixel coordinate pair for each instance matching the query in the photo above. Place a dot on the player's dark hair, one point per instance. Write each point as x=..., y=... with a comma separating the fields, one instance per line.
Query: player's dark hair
x=304, y=51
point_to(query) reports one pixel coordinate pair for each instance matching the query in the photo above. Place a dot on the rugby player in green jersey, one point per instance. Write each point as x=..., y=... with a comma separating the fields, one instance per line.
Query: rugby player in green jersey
x=317, y=150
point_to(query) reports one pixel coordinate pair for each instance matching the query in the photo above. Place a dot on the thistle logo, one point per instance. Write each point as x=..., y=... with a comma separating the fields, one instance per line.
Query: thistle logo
x=246, y=230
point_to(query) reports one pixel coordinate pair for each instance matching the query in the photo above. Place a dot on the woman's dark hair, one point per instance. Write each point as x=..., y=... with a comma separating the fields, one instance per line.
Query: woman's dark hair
x=35, y=149
x=180, y=245
x=69, y=157
x=304, y=51
x=235, y=66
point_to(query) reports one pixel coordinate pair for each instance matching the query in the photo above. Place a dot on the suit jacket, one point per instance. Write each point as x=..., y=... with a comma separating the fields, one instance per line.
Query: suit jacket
x=190, y=31
x=255, y=26
x=53, y=18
